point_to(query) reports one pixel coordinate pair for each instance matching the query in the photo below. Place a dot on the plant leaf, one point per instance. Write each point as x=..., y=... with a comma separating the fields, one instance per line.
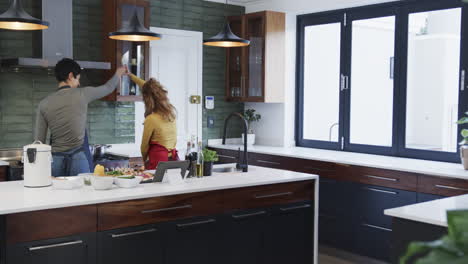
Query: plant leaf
x=464, y=133
x=440, y=256
x=457, y=221
x=463, y=120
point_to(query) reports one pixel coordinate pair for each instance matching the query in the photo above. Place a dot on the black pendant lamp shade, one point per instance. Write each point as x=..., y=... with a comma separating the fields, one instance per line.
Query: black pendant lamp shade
x=134, y=31
x=15, y=18
x=226, y=39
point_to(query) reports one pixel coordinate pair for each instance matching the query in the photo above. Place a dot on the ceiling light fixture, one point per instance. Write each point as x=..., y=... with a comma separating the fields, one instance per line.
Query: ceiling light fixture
x=134, y=31
x=16, y=18
x=226, y=38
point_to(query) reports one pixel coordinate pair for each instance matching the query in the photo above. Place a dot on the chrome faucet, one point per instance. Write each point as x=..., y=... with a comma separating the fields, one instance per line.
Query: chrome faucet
x=330, y=131
x=241, y=165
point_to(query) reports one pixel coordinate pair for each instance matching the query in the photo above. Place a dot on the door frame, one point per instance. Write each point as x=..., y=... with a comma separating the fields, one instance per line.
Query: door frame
x=198, y=36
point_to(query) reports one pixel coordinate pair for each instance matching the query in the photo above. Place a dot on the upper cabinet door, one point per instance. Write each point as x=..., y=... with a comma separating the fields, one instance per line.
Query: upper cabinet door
x=235, y=75
x=255, y=32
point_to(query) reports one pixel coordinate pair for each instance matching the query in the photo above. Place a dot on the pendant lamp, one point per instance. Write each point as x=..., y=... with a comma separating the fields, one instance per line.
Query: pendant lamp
x=15, y=18
x=134, y=31
x=226, y=38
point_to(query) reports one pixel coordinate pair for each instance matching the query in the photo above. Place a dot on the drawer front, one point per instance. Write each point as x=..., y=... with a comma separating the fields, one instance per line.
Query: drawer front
x=24, y=227
x=373, y=200
x=3, y=173
x=442, y=186
x=271, y=161
x=386, y=178
x=159, y=209
x=226, y=156
x=268, y=195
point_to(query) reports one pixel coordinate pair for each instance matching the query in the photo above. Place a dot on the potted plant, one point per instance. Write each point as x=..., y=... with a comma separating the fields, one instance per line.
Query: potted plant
x=209, y=157
x=452, y=248
x=464, y=142
x=251, y=117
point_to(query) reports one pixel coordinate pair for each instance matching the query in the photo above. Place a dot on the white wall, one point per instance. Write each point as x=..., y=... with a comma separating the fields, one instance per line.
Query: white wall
x=285, y=128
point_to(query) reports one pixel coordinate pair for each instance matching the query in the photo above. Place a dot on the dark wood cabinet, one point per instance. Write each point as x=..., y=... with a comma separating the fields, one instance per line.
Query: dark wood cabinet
x=442, y=186
x=256, y=73
x=77, y=249
x=131, y=53
x=3, y=173
x=142, y=244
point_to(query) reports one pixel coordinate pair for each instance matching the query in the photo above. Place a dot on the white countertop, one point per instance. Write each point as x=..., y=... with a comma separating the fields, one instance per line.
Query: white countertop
x=432, y=212
x=444, y=169
x=15, y=198
x=4, y=163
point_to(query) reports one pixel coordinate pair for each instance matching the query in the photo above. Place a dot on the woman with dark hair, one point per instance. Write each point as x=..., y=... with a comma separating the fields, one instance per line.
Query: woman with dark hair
x=160, y=127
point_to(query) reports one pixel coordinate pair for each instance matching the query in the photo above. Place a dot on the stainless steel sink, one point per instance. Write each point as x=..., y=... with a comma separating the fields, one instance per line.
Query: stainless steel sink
x=225, y=170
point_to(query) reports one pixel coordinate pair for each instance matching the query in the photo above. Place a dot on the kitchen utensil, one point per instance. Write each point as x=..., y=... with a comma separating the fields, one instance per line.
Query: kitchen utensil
x=102, y=183
x=99, y=150
x=37, y=159
x=126, y=182
x=67, y=183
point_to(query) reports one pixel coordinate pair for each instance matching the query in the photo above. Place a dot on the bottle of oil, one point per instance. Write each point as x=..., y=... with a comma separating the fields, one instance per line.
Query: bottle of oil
x=200, y=160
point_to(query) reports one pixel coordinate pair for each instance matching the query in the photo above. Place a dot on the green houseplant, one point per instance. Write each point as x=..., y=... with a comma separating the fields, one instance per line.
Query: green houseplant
x=209, y=156
x=250, y=116
x=450, y=249
x=464, y=142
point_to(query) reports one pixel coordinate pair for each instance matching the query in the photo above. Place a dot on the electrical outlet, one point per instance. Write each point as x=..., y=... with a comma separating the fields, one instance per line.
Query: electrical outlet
x=210, y=122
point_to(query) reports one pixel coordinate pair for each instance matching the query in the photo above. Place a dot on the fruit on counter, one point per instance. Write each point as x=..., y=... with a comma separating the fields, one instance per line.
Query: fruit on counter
x=99, y=170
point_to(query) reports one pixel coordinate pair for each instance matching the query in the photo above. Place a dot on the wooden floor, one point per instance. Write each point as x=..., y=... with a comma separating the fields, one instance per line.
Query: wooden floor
x=333, y=256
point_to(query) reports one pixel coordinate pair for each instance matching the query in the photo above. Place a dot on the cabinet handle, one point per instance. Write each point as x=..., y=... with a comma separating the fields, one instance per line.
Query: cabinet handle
x=56, y=245
x=272, y=195
x=378, y=190
x=451, y=188
x=224, y=156
x=268, y=162
x=167, y=209
x=377, y=227
x=248, y=215
x=151, y=230
x=295, y=207
x=317, y=169
x=462, y=80
x=381, y=178
x=197, y=223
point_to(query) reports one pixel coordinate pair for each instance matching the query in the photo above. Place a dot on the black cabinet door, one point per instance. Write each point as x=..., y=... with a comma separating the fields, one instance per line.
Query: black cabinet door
x=424, y=197
x=79, y=249
x=195, y=241
x=374, y=241
x=142, y=244
x=335, y=197
x=290, y=234
x=244, y=236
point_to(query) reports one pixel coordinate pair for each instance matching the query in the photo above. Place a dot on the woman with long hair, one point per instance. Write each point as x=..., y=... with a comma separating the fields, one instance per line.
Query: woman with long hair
x=160, y=127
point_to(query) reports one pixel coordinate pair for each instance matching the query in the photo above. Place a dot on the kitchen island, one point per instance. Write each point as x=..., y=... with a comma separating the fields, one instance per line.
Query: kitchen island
x=263, y=216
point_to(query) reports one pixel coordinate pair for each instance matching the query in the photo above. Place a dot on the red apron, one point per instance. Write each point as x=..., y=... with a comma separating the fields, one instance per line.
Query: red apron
x=157, y=153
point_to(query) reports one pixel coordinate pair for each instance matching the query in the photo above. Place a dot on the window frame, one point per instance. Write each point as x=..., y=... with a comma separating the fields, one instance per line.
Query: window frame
x=401, y=11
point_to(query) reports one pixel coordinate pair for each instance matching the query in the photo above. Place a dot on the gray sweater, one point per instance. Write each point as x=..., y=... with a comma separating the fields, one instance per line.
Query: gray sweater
x=65, y=113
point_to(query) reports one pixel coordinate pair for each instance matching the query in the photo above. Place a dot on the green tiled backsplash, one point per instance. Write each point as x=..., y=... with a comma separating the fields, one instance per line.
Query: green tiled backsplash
x=109, y=122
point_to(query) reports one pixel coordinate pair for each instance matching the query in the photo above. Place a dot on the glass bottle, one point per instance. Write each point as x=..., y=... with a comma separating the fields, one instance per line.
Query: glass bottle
x=200, y=160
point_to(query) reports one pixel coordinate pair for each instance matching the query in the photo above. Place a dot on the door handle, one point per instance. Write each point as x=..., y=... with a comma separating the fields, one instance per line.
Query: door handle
x=451, y=188
x=227, y=157
x=462, y=80
x=166, y=209
x=77, y=242
x=381, y=178
x=151, y=230
x=268, y=162
x=272, y=195
x=295, y=207
x=377, y=227
x=241, y=216
x=209, y=221
x=378, y=190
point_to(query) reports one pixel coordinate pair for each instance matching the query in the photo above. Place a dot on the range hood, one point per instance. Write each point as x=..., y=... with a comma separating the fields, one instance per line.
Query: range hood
x=57, y=40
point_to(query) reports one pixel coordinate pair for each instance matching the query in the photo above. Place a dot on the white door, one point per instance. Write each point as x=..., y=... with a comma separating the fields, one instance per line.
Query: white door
x=176, y=61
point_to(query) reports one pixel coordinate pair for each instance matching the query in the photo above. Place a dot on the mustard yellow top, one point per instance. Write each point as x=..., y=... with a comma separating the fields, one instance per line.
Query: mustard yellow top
x=156, y=129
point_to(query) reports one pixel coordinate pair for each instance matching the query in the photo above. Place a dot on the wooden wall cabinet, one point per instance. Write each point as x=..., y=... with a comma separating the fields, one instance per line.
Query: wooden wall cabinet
x=133, y=54
x=256, y=73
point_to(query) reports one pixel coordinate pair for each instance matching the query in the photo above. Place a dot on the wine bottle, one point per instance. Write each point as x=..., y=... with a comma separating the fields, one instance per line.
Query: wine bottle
x=200, y=160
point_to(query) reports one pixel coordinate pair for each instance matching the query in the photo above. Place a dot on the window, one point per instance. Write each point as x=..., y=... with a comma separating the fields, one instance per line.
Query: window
x=383, y=79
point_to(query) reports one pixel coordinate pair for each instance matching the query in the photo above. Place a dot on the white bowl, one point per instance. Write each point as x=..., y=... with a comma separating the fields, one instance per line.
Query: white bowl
x=127, y=183
x=67, y=183
x=102, y=182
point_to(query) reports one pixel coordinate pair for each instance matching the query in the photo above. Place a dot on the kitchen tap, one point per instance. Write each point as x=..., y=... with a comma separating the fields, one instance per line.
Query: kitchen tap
x=244, y=163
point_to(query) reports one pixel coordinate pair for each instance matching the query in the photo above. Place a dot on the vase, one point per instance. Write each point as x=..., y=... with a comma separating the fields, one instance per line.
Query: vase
x=207, y=168
x=464, y=156
x=250, y=139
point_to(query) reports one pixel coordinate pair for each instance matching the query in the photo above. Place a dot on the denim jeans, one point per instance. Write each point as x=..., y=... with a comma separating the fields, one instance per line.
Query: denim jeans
x=77, y=163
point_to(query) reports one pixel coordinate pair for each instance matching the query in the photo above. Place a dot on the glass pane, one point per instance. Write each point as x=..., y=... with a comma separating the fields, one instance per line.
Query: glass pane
x=432, y=84
x=371, y=113
x=256, y=37
x=322, y=82
x=235, y=64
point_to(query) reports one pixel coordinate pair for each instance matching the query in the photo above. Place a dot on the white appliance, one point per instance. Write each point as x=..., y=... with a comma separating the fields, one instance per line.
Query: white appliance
x=37, y=159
